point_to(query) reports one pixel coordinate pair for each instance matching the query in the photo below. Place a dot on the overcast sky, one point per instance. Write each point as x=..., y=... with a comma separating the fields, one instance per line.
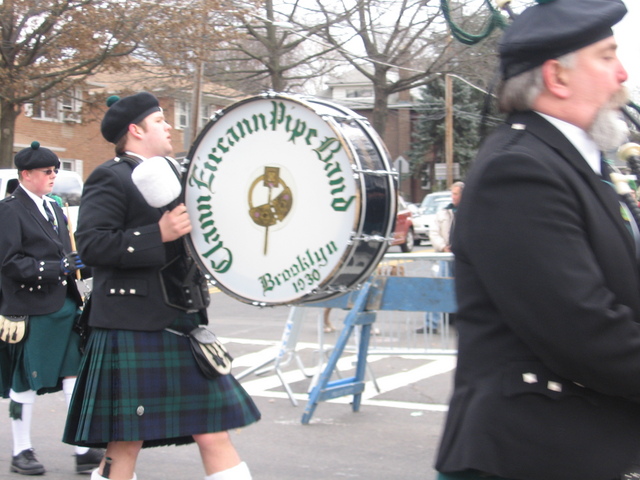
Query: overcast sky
x=628, y=35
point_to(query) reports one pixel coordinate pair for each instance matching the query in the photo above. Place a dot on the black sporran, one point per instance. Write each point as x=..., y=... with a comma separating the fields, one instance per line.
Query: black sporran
x=211, y=356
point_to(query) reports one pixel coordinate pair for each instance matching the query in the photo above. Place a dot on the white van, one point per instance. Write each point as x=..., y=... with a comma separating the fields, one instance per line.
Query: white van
x=68, y=186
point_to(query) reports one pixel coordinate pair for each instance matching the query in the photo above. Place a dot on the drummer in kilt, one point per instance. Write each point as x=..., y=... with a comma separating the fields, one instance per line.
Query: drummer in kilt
x=139, y=384
x=37, y=291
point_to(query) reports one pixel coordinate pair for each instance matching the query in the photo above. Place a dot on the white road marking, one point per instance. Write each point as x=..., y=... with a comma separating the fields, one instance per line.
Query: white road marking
x=268, y=383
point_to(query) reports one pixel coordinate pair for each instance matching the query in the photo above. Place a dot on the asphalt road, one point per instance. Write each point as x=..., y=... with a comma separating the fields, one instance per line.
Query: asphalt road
x=394, y=435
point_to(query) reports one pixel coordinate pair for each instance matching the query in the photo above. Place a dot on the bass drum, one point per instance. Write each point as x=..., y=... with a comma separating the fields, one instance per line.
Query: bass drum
x=292, y=200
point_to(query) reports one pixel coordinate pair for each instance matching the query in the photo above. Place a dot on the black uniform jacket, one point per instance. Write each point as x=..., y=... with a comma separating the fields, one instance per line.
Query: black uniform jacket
x=119, y=237
x=31, y=279
x=547, y=385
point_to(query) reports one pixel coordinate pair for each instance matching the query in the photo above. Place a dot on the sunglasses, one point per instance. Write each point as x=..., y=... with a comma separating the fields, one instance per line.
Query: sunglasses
x=49, y=171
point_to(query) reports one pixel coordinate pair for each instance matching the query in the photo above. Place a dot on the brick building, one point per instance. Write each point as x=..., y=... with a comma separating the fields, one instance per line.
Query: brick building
x=70, y=125
x=355, y=91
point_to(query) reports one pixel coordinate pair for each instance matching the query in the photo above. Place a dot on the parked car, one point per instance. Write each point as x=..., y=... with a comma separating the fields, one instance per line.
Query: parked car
x=403, y=231
x=414, y=207
x=68, y=186
x=426, y=214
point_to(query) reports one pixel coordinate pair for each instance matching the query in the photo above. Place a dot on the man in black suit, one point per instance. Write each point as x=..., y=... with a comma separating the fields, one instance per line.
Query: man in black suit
x=547, y=385
x=36, y=280
x=139, y=385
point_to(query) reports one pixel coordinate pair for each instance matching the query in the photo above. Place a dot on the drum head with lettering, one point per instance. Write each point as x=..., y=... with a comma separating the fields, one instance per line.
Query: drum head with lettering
x=273, y=200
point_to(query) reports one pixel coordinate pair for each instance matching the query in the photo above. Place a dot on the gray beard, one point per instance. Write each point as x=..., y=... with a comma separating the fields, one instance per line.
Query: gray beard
x=609, y=130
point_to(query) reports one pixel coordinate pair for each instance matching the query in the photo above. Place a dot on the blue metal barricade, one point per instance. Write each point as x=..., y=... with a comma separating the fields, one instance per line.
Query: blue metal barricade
x=399, y=293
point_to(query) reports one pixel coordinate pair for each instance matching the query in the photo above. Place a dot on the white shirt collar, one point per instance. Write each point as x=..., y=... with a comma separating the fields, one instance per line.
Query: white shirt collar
x=38, y=201
x=170, y=159
x=131, y=154
x=579, y=139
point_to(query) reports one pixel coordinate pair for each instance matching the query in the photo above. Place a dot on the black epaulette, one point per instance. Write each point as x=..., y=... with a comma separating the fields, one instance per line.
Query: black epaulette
x=9, y=198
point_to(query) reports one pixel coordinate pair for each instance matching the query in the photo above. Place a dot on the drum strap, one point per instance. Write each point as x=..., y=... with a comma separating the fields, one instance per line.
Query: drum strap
x=183, y=285
x=133, y=162
x=173, y=165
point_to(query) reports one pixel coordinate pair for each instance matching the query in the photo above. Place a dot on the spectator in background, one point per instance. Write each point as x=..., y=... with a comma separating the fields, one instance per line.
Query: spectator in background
x=440, y=235
x=440, y=230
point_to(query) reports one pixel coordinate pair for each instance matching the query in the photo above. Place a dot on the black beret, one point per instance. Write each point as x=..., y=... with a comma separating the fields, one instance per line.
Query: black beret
x=553, y=28
x=125, y=111
x=36, y=156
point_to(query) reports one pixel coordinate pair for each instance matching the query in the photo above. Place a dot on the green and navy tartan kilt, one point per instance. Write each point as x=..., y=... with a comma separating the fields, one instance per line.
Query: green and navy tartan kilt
x=50, y=352
x=147, y=386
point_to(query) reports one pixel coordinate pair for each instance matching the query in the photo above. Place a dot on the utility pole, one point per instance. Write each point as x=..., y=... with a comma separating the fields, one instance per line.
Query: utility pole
x=448, y=128
x=196, y=100
x=196, y=95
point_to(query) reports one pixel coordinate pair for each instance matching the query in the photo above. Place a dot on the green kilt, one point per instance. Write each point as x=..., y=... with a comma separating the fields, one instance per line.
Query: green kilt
x=147, y=386
x=49, y=353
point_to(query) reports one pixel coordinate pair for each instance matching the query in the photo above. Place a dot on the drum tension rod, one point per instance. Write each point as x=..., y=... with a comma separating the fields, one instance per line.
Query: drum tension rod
x=376, y=173
x=371, y=238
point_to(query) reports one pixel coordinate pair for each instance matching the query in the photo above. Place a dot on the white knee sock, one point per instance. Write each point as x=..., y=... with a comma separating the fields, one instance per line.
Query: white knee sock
x=96, y=476
x=28, y=396
x=21, y=428
x=68, y=384
x=239, y=472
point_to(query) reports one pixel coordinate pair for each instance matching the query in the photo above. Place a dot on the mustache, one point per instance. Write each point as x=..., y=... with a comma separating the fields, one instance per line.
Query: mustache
x=619, y=99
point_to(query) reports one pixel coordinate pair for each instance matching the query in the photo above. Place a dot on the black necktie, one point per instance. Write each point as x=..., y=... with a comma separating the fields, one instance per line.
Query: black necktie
x=50, y=215
x=605, y=170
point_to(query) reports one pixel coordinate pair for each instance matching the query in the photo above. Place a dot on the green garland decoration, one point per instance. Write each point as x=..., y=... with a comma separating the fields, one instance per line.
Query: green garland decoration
x=496, y=20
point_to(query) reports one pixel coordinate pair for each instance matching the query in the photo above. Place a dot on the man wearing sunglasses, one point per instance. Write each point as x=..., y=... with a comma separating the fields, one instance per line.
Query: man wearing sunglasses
x=36, y=282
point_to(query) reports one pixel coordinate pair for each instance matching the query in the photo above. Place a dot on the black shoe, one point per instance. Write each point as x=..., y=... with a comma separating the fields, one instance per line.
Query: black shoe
x=25, y=463
x=89, y=461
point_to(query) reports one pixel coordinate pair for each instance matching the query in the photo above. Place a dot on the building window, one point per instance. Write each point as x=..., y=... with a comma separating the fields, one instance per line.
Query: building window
x=183, y=113
x=45, y=109
x=72, y=165
x=70, y=104
x=205, y=114
x=65, y=108
x=359, y=93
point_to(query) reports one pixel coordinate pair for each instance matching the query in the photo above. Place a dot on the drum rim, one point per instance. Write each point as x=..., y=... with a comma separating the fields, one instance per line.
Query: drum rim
x=385, y=160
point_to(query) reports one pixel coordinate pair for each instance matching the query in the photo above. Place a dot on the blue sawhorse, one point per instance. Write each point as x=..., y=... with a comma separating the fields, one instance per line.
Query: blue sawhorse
x=377, y=294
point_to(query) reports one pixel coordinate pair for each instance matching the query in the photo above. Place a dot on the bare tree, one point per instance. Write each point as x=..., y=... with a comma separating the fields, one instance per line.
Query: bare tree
x=397, y=45
x=50, y=45
x=278, y=50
